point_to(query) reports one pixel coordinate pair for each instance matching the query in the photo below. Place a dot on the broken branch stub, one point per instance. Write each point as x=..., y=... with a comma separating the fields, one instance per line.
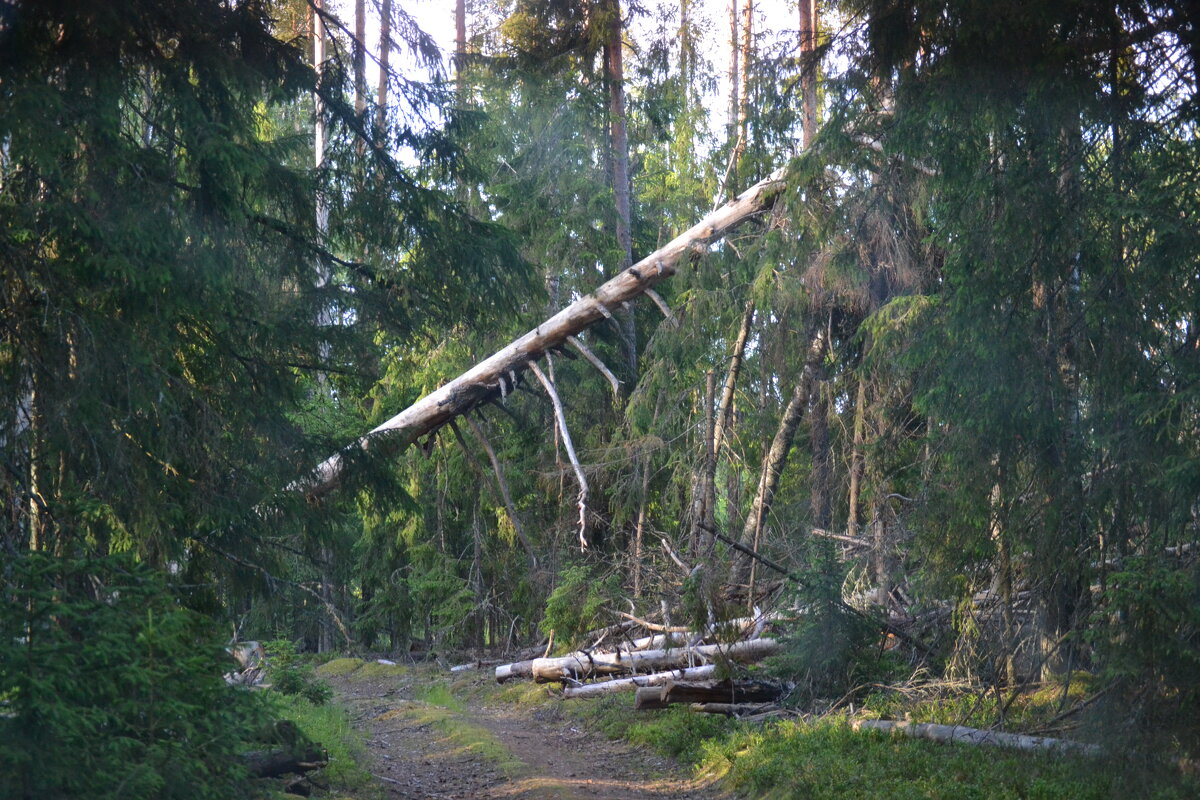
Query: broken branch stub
x=496, y=373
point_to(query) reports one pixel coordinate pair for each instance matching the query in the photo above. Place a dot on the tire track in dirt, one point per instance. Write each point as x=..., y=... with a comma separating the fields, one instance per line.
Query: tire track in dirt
x=489, y=751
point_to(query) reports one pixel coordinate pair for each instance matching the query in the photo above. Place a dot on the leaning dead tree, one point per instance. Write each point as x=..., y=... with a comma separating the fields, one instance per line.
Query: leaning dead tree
x=496, y=376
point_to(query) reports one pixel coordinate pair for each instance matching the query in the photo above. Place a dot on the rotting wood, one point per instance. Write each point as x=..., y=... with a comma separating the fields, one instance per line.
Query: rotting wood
x=273, y=763
x=637, y=681
x=581, y=666
x=499, y=372
x=726, y=691
x=964, y=735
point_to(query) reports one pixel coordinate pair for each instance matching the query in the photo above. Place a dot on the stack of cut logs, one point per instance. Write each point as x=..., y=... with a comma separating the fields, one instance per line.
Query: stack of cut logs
x=671, y=665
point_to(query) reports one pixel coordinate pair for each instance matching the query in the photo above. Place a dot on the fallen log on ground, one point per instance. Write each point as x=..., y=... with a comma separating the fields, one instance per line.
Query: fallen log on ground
x=274, y=763
x=581, y=666
x=725, y=691
x=959, y=733
x=715, y=693
x=496, y=376
x=629, y=684
x=647, y=698
x=517, y=669
x=658, y=641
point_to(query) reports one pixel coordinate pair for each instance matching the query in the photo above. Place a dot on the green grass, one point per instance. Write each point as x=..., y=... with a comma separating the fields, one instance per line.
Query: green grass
x=358, y=669
x=443, y=713
x=439, y=694
x=329, y=726
x=826, y=760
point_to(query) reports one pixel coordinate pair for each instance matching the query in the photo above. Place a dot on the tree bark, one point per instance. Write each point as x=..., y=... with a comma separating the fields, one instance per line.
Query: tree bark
x=619, y=154
x=808, y=68
x=630, y=684
x=856, y=454
x=726, y=691
x=460, y=48
x=385, y=49
x=497, y=374
x=360, y=58
x=734, y=52
x=581, y=666
x=740, y=96
x=773, y=464
x=961, y=734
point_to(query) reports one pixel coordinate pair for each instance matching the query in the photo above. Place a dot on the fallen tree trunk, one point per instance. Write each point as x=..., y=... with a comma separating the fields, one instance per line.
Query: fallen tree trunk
x=497, y=375
x=638, y=681
x=517, y=669
x=958, y=733
x=580, y=666
x=726, y=691
x=648, y=697
x=273, y=763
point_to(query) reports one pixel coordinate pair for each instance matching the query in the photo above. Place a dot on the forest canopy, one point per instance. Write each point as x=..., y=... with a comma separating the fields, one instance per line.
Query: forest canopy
x=946, y=378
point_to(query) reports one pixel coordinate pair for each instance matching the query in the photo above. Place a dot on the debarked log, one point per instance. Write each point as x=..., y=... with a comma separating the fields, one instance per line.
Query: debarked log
x=581, y=666
x=497, y=375
x=638, y=681
x=964, y=735
x=517, y=669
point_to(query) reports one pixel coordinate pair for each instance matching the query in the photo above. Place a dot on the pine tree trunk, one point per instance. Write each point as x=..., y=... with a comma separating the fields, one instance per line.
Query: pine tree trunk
x=734, y=72
x=360, y=58
x=619, y=155
x=808, y=68
x=822, y=467
x=773, y=463
x=460, y=48
x=385, y=50
x=856, y=454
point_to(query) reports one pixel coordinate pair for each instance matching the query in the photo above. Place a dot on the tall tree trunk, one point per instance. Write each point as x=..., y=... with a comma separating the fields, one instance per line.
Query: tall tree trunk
x=734, y=72
x=822, y=467
x=703, y=503
x=385, y=50
x=326, y=636
x=743, y=79
x=725, y=409
x=856, y=453
x=460, y=48
x=808, y=68
x=360, y=58
x=1003, y=583
x=639, y=533
x=775, y=460
x=720, y=421
x=619, y=156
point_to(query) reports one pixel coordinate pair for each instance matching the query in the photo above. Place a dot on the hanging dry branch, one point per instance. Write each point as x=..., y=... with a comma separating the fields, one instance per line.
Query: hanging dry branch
x=561, y=417
x=595, y=361
x=663, y=307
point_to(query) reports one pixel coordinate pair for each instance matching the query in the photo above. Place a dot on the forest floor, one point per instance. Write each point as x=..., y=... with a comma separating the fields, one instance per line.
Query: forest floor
x=428, y=738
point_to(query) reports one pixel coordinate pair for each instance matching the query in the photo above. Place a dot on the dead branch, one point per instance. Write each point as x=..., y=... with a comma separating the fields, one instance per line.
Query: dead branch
x=595, y=361
x=561, y=417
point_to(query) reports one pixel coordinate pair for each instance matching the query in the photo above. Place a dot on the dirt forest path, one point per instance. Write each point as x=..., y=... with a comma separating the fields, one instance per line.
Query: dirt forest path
x=428, y=742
